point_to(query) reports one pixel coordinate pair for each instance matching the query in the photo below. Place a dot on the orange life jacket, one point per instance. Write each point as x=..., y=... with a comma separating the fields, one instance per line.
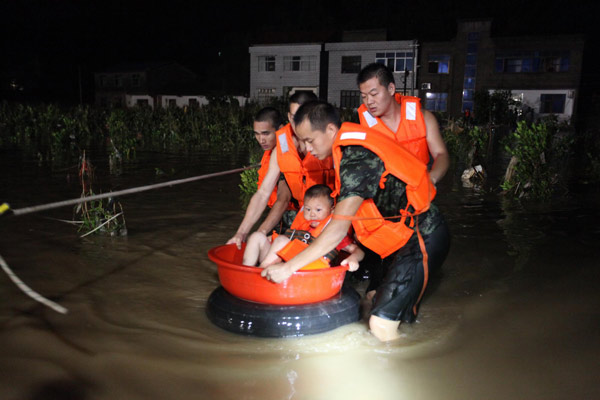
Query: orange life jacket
x=411, y=133
x=300, y=174
x=262, y=172
x=302, y=235
x=372, y=230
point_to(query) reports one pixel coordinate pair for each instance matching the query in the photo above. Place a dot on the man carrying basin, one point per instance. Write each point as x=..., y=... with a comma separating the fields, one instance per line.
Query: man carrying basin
x=385, y=192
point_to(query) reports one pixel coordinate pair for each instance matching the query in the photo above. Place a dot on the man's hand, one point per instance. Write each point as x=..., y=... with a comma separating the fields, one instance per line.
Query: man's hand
x=238, y=238
x=351, y=262
x=277, y=272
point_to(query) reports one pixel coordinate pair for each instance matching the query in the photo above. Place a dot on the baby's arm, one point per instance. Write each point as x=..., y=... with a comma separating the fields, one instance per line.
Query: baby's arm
x=272, y=257
x=356, y=255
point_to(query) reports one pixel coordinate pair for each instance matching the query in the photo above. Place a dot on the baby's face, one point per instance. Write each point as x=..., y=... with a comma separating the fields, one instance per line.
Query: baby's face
x=317, y=209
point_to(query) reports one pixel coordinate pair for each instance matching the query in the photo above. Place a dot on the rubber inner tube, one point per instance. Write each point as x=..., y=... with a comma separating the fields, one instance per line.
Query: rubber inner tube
x=265, y=320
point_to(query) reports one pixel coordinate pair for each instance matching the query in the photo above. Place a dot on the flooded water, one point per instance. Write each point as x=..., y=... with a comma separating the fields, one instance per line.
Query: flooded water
x=514, y=315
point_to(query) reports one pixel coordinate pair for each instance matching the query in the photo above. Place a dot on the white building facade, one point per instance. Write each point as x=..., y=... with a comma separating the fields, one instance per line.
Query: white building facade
x=346, y=59
x=281, y=70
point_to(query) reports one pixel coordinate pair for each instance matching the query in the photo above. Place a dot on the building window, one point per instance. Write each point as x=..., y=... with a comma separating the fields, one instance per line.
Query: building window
x=300, y=63
x=171, y=102
x=532, y=61
x=439, y=64
x=349, y=99
x=118, y=81
x=351, y=64
x=266, y=63
x=135, y=80
x=436, y=101
x=103, y=81
x=142, y=102
x=396, y=61
x=193, y=103
x=552, y=103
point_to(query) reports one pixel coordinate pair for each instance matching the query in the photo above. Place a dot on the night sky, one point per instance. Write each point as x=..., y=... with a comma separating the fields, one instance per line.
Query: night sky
x=49, y=45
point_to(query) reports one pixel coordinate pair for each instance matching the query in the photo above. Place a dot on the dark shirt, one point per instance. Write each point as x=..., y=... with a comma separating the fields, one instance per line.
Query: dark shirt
x=360, y=173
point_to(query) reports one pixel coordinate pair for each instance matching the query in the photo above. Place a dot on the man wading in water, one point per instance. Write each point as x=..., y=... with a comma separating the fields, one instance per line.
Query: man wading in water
x=376, y=178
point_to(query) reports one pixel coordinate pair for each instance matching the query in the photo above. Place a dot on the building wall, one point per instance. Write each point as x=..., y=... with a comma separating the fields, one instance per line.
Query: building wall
x=339, y=81
x=281, y=80
x=493, y=63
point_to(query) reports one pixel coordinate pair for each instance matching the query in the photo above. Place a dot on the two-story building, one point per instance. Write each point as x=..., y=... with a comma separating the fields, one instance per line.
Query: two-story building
x=281, y=70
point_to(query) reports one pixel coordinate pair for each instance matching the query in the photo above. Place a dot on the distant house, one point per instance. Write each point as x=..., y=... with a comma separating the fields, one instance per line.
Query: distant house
x=541, y=72
x=281, y=70
x=155, y=84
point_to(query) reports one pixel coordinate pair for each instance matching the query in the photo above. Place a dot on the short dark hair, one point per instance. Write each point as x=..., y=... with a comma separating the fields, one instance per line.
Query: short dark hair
x=383, y=74
x=319, y=114
x=318, y=191
x=303, y=96
x=271, y=115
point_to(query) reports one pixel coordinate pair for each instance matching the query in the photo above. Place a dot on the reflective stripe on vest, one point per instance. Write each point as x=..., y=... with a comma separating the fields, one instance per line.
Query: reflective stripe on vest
x=300, y=174
x=412, y=131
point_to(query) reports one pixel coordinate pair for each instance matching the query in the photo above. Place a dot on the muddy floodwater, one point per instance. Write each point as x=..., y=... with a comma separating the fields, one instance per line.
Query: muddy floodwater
x=515, y=313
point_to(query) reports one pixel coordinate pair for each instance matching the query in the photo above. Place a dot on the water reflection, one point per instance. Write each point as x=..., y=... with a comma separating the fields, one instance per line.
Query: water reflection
x=512, y=315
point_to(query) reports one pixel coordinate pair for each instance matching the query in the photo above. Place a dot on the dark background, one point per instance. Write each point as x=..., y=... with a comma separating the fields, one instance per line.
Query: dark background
x=52, y=46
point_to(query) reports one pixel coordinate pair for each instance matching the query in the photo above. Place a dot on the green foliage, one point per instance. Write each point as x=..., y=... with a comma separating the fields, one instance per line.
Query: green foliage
x=57, y=134
x=498, y=108
x=539, y=152
x=249, y=177
x=465, y=143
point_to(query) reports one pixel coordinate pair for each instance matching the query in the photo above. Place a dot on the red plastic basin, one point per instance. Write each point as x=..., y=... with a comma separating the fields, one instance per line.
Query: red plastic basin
x=302, y=287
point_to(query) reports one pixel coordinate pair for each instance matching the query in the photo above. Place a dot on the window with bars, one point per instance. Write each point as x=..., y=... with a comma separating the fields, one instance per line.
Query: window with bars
x=349, y=99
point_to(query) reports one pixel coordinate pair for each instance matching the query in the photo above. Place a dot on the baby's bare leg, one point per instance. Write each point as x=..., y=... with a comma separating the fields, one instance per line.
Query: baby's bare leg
x=257, y=246
x=271, y=257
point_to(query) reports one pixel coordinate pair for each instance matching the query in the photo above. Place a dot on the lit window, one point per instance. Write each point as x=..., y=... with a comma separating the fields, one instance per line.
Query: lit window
x=439, y=64
x=436, y=101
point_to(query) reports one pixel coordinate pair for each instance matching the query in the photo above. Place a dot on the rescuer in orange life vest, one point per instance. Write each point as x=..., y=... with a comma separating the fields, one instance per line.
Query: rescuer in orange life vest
x=385, y=192
x=291, y=171
x=401, y=117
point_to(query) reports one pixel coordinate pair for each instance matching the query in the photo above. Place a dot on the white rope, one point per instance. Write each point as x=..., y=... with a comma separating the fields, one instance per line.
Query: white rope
x=29, y=291
x=27, y=210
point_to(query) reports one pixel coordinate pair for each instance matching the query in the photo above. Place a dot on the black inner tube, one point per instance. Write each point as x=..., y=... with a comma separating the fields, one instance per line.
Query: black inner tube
x=266, y=320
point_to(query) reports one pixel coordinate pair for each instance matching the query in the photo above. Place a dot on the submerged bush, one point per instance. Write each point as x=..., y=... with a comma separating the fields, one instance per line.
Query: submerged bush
x=539, y=154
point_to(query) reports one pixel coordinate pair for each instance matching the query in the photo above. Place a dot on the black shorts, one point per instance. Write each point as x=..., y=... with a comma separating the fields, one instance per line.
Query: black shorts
x=402, y=275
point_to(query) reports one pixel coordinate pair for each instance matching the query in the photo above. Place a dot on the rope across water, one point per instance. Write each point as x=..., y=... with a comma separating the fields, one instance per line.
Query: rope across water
x=28, y=210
